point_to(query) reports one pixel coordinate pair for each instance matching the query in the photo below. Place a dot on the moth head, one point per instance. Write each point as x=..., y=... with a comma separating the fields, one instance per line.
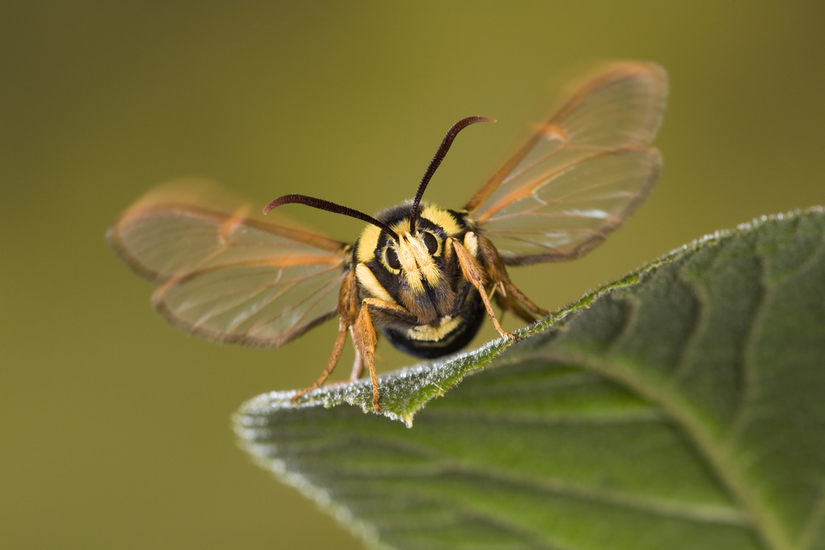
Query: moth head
x=413, y=258
x=409, y=251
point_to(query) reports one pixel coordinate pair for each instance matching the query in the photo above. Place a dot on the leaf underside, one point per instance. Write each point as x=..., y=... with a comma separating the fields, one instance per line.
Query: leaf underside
x=682, y=407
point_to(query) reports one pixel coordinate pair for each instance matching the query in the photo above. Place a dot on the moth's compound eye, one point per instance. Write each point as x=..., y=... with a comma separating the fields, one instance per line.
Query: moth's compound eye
x=391, y=257
x=431, y=243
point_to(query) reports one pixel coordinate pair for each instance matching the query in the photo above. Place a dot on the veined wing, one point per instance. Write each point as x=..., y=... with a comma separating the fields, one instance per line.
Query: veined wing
x=582, y=174
x=224, y=273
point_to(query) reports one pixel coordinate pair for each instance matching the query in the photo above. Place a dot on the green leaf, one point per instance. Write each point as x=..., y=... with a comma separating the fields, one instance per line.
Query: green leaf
x=681, y=407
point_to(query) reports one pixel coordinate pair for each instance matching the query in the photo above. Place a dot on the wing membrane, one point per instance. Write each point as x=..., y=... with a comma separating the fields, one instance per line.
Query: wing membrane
x=582, y=174
x=225, y=274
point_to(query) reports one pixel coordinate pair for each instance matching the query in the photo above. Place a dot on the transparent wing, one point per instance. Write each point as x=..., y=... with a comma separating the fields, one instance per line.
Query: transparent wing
x=224, y=274
x=582, y=174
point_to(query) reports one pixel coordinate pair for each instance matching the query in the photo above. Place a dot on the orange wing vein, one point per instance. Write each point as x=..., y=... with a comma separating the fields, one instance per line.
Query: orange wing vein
x=224, y=274
x=582, y=174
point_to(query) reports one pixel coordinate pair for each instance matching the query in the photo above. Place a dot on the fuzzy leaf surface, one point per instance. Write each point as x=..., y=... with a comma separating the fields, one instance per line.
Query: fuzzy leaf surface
x=682, y=407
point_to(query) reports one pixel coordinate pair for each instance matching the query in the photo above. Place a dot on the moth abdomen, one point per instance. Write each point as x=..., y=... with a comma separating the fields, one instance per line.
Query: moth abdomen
x=451, y=334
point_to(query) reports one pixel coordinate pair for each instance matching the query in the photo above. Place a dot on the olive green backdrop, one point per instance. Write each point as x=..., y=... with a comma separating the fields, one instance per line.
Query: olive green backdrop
x=115, y=427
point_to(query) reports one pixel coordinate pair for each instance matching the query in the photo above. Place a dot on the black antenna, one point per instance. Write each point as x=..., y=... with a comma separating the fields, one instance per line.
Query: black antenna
x=329, y=207
x=439, y=156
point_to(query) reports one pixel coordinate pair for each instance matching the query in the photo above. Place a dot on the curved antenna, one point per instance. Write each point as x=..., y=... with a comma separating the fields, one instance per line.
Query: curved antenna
x=321, y=204
x=439, y=156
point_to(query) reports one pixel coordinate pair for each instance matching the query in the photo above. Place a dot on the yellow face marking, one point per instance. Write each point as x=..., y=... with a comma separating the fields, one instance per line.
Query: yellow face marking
x=367, y=280
x=429, y=333
x=409, y=264
x=367, y=243
x=401, y=226
x=416, y=263
x=406, y=253
x=426, y=263
x=442, y=219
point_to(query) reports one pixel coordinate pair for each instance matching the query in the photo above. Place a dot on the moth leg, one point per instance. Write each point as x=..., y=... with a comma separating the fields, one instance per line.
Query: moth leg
x=347, y=308
x=358, y=364
x=511, y=297
x=365, y=339
x=333, y=360
x=474, y=273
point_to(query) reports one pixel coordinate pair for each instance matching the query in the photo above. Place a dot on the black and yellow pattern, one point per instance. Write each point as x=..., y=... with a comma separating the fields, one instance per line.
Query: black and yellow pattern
x=421, y=274
x=425, y=276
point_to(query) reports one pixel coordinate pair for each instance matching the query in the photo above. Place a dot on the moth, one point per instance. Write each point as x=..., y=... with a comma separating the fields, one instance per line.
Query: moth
x=423, y=275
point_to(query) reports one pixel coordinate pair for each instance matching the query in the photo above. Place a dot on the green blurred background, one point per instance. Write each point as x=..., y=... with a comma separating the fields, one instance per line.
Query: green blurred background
x=115, y=427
